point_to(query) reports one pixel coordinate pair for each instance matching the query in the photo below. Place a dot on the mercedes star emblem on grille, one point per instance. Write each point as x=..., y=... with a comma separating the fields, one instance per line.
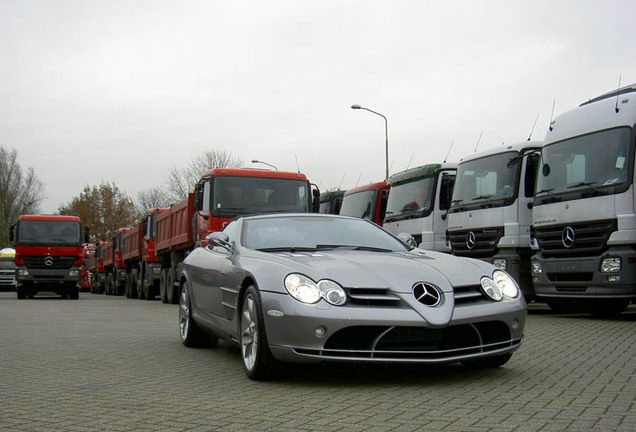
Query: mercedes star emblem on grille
x=427, y=294
x=470, y=240
x=567, y=237
x=48, y=261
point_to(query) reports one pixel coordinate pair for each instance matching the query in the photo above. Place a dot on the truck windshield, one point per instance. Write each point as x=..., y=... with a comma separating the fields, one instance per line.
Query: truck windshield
x=36, y=232
x=359, y=204
x=490, y=181
x=234, y=196
x=597, y=163
x=412, y=197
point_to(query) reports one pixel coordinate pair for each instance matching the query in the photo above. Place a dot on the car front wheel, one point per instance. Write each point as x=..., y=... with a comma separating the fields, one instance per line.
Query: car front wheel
x=258, y=361
x=191, y=334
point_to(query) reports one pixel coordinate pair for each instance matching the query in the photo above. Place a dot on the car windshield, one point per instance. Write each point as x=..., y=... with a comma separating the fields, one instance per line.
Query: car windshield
x=49, y=232
x=585, y=163
x=359, y=204
x=413, y=196
x=488, y=180
x=245, y=195
x=317, y=233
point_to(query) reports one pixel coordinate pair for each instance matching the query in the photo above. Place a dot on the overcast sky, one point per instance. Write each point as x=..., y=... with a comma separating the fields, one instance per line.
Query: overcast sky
x=120, y=91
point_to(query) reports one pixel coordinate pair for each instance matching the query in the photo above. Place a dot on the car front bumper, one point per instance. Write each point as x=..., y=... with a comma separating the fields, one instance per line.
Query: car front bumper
x=318, y=333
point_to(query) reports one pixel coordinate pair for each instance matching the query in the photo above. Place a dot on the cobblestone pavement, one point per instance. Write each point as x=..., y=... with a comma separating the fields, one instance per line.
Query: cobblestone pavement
x=115, y=364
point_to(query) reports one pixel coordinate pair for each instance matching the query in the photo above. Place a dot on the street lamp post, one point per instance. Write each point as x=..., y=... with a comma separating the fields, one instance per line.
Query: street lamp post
x=386, y=137
x=264, y=163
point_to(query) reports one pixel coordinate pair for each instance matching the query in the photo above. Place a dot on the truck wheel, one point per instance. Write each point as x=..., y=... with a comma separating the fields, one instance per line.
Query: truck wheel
x=108, y=289
x=21, y=293
x=163, y=281
x=171, y=294
x=149, y=288
x=73, y=293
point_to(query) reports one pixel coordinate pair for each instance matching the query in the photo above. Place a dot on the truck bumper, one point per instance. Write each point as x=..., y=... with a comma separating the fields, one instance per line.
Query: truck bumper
x=48, y=276
x=582, y=277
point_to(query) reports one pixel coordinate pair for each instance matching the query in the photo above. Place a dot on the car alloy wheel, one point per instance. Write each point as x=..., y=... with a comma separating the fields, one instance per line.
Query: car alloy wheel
x=257, y=359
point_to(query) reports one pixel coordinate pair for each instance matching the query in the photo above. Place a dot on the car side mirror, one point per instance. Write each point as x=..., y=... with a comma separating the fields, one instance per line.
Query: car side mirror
x=408, y=239
x=219, y=238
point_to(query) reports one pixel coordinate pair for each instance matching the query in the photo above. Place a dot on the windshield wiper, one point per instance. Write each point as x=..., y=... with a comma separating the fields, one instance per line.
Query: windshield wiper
x=483, y=197
x=352, y=247
x=589, y=184
x=287, y=249
x=545, y=191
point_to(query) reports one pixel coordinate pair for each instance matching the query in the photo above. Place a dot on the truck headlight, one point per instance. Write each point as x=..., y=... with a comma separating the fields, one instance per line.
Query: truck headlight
x=73, y=273
x=500, y=263
x=536, y=267
x=611, y=265
x=22, y=273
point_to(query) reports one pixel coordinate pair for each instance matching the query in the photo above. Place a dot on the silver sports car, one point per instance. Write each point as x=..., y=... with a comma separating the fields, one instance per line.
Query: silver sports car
x=318, y=288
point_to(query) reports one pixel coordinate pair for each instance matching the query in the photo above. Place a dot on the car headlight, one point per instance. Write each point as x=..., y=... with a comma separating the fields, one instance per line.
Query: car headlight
x=307, y=291
x=500, y=286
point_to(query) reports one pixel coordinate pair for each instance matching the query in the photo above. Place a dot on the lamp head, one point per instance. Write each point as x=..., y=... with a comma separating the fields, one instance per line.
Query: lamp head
x=356, y=106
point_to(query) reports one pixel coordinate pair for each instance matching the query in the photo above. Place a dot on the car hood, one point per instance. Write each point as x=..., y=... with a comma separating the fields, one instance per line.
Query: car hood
x=397, y=271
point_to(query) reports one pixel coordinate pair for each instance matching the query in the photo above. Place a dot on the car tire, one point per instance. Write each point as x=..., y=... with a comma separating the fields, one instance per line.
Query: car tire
x=258, y=362
x=488, y=362
x=190, y=333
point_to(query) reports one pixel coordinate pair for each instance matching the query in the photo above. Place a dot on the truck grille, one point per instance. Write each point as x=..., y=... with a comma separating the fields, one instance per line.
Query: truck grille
x=482, y=243
x=42, y=262
x=583, y=239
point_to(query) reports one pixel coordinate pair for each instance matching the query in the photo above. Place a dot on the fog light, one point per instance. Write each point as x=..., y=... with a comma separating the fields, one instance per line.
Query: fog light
x=614, y=278
x=320, y=331
x=611, y=265
x=536, y=267
x=500, y=263
x=515, y=324
x=23, y=273
x=156, y=270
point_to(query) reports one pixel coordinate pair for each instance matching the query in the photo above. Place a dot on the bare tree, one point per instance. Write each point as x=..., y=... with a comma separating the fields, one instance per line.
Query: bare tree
x=180, y=182
x=20, y=193
x=153, y=197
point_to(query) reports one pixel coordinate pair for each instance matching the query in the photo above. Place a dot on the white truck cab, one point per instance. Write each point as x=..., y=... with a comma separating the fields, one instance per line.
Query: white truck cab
x=584, y=221
x=491, y=211
x=418, y=204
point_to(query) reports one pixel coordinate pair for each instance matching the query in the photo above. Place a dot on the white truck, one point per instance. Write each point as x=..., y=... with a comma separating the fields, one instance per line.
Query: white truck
x=584, y=221
x=418, y=204
x=491, y=210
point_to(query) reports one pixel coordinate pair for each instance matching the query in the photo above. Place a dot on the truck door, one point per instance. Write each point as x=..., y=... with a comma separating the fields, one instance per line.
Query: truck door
x=444, y=193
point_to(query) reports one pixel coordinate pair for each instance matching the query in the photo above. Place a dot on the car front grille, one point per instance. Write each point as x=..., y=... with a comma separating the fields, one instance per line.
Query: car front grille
x=384, y=297
x=417, y=343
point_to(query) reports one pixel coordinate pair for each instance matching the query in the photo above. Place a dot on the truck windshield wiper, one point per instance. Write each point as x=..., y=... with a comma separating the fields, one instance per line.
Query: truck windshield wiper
x=483, y=197
x=589, y=184
x=545, y=191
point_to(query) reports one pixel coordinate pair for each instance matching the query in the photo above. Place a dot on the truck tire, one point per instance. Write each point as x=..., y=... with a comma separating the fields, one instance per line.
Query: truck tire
x=108, y=289
x=171, y=293
x=21, y=293
x=163, y=281
x=148, y=284
x=73, y=293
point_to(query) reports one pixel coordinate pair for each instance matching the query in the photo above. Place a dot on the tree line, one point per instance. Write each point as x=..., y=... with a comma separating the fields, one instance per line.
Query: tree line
x=103, y=207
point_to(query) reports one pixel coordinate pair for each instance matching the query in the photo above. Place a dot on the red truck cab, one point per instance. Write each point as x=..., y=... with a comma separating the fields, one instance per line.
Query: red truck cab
x=48, y=254
x=220, y=195
x=143, y=268
x=114, y=266
x=366, y=202
x=87, y=250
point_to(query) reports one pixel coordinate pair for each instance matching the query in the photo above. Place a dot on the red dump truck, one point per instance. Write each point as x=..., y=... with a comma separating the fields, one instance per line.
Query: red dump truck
x=48, y=254
x=114, y=267
x=96, y=269
x=143, y=269
x=220, y=195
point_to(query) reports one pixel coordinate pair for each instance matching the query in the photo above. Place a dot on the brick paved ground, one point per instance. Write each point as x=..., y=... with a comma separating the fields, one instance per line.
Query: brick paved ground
x=115, y=364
